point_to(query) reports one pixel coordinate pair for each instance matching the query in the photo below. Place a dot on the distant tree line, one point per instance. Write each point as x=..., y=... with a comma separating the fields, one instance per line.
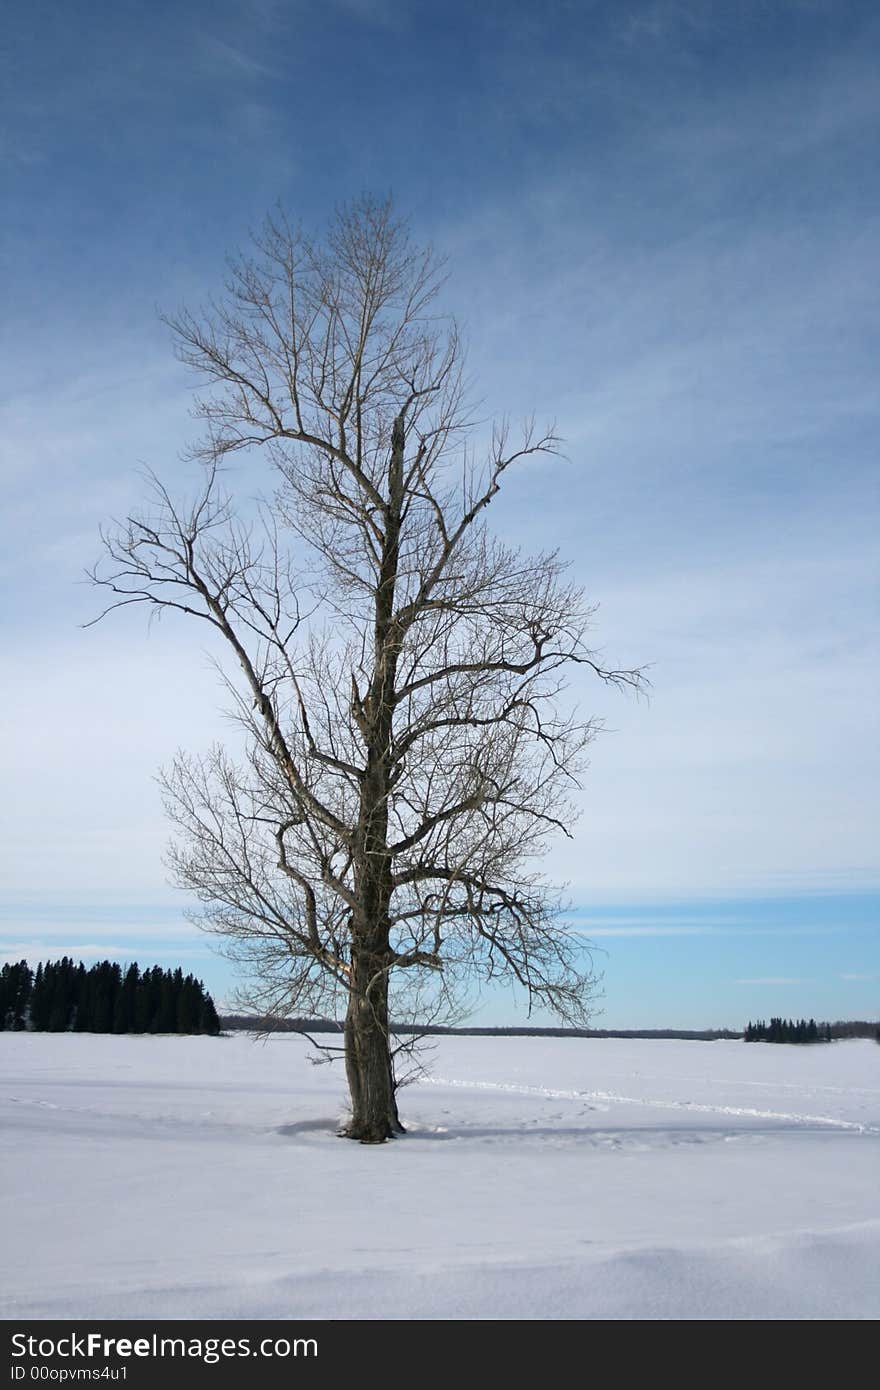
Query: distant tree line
x=260, y=1023
x=61, y=997
x=784, y=1030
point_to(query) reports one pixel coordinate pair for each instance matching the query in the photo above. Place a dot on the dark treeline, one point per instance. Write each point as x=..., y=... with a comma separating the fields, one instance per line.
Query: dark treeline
x=256, y=1024
x=61, y=997
x=784, y=1030
x=827, y=1032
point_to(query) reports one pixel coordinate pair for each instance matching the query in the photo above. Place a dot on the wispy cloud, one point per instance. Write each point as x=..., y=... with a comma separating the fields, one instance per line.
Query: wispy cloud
x=233, y=59
x=661, y=929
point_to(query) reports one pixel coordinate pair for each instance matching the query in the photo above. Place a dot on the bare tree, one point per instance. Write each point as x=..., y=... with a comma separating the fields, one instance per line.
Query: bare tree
x=400, y=671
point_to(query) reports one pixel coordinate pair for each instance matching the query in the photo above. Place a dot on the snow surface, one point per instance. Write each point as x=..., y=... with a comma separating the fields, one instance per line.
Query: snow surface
x=164, y=1177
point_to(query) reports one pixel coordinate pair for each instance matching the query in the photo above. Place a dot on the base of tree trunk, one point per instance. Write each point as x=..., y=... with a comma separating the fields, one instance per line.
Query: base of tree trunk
x=375, y=1133
x=368, y=1062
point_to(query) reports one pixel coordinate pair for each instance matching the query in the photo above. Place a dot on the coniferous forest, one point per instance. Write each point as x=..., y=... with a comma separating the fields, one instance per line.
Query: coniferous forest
x=782, y=1030
x=61, y=997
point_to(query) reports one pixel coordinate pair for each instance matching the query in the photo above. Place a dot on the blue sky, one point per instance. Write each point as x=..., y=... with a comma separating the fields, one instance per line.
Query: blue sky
x=661, y=220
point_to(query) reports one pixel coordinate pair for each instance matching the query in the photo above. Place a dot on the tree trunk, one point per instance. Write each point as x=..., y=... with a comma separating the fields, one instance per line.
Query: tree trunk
x=367, y=1046
x=368, y=1065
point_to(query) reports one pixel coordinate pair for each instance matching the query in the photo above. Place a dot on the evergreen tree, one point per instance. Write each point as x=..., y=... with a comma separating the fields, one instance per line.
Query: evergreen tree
x=208, y=1020
x=85, y=1013
x=7, y=995
x=104, y=998
x=41, y=1001
x=62, y=999
x=16, y=984
x=188, y=1006
x=21, y=999
x=154, y=993
x=126, y=1003
x=143, y=1003
x=80, y=989
x=167, y=1013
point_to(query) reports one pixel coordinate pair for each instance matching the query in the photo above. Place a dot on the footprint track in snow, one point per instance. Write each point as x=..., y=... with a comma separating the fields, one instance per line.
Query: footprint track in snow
x=603, y=1099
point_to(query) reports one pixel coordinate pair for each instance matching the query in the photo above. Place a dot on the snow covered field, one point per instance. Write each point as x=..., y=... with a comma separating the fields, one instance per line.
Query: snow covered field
x=163, y=1177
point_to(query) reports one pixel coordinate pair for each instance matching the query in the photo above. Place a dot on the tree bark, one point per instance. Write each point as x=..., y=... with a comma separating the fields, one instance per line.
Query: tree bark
x=368, y=1064
x=367, y=1044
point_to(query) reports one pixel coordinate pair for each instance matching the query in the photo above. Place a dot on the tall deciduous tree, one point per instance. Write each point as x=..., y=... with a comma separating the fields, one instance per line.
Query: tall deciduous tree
x=400, y=670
